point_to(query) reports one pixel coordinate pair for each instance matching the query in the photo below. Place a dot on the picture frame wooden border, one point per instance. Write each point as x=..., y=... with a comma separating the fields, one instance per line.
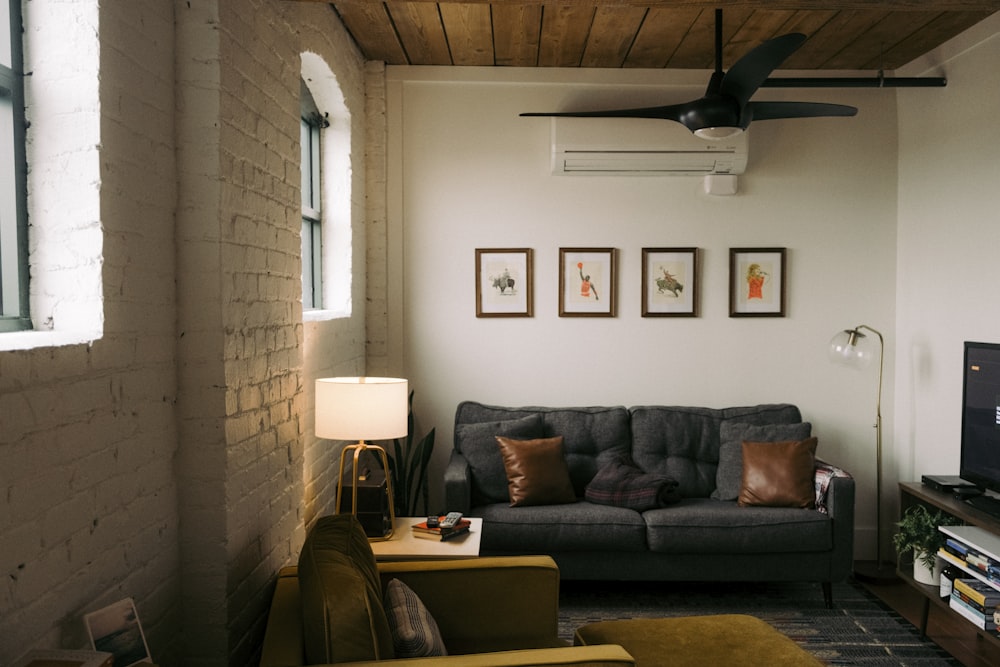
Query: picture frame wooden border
x=588, y=282
x=747, y=296
x=670, y=282
x=499, y=270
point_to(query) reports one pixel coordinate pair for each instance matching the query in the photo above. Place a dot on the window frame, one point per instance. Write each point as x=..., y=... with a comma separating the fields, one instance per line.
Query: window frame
x=14, y=272
x=310, y=133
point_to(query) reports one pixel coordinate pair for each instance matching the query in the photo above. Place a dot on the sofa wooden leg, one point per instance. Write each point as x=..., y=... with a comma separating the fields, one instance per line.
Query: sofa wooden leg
x=828, y=594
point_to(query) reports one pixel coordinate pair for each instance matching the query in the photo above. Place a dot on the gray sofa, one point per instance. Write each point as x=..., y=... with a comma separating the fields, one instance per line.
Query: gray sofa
x=705, y=536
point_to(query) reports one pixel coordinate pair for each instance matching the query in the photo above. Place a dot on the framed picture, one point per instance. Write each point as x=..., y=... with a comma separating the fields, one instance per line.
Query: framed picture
x=756, y=282
x=669, y=282
x=504, y=282
x=116, y=629
x=587, y=282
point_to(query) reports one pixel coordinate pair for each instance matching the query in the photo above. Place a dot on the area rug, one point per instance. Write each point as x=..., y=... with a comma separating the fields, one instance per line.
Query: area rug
x=859, y=630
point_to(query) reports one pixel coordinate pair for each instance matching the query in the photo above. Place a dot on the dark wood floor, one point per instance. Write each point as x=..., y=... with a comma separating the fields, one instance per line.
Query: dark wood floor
x=951, y=632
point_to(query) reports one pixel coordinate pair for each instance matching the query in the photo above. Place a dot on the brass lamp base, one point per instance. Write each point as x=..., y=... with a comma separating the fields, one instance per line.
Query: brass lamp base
x=356, y=450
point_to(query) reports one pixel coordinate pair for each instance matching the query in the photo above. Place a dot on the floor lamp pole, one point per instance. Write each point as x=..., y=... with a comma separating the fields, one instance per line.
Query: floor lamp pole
x=881, y=572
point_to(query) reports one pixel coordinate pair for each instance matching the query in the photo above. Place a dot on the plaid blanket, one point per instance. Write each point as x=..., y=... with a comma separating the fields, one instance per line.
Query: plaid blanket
x=623, y=485
x=824, y=473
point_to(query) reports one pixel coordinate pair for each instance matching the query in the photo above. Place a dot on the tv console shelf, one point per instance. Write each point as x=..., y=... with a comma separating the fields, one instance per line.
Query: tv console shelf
x=915, y=493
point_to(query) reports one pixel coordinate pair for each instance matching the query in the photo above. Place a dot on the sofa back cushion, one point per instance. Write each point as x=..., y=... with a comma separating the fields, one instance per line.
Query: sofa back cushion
x=683, y=442
x=591, y=437
x=342, y=615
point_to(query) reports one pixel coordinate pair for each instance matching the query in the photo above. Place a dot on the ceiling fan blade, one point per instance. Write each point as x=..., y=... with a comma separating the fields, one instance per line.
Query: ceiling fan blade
x=775, y=110
x=749, y=72
x=670, y=112
x=701, y=113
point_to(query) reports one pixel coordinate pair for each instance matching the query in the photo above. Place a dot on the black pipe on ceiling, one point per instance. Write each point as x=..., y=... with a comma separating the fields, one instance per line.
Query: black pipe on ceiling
x=855, y=82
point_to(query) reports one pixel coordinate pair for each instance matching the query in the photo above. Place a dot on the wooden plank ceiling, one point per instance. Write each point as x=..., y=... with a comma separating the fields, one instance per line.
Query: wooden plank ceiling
x=847, y=35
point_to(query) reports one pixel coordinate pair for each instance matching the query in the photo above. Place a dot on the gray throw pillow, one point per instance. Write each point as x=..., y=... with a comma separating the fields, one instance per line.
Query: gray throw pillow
x=478, y=444
x=729, y=475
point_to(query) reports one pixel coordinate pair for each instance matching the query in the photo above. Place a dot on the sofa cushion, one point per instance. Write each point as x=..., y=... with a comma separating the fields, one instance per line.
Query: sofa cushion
x=549, y=529
x=536, y=471
x=706, y=526
x=729, y=475
x=779, y=474
x=342, y=614
x=478, y=444
x=683, y=442
x=415, y=634
x=591, y=437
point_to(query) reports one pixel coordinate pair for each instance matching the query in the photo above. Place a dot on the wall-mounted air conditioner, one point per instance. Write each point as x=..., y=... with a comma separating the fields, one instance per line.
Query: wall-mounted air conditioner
x=640, y=147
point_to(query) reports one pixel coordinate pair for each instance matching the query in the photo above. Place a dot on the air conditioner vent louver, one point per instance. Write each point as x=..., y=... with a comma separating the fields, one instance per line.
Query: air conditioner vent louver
x=640, y=147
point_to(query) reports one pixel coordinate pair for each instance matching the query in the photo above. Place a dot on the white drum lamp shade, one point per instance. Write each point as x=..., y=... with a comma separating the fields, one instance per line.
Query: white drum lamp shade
x=361, y=408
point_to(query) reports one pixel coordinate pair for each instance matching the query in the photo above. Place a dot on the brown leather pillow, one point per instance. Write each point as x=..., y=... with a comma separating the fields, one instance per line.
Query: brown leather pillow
x=779, y=474
x=536, y=471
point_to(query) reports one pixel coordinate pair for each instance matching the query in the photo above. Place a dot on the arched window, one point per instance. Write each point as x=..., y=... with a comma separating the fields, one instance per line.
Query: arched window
x=326, y=193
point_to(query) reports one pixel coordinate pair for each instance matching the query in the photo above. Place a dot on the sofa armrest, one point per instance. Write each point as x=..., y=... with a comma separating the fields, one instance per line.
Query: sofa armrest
x=283, y=642
x=487, y=604
x=840, y=506
x=457, y=484
x=599, y=655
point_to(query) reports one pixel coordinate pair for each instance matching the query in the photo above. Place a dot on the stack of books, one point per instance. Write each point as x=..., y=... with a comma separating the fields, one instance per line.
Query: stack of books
x=977, y=601
x=968, y=556
x=423, y=531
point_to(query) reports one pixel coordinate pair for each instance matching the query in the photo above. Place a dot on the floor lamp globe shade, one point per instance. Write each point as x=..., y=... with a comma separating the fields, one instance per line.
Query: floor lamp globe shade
x=362, y=408
x=851, y=348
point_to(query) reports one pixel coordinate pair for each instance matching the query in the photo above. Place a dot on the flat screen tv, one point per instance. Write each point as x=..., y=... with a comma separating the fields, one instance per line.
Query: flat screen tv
x=980, y=462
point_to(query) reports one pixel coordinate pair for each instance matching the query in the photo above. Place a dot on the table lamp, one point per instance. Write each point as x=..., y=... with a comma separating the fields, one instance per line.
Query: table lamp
x=362, y=409
x=851, y=347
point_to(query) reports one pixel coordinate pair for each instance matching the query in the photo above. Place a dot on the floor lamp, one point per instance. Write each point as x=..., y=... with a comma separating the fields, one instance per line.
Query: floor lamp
x=850, y=347
x=363, y=408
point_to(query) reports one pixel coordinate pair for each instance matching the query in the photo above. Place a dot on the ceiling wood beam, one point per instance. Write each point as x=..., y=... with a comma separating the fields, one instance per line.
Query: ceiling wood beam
x=815, y=5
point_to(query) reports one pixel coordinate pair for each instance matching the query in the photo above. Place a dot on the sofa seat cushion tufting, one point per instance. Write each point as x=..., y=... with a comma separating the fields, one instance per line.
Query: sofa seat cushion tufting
x=701, y=525
x=580, y=526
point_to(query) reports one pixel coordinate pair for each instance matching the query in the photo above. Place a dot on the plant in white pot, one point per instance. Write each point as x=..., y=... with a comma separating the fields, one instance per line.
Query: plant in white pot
x=918, y=532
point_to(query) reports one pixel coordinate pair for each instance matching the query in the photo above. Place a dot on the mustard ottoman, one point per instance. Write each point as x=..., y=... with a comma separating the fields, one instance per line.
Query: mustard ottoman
x=727, y=639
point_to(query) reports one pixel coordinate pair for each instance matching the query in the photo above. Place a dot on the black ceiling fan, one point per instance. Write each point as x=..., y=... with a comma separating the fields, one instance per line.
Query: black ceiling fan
x=725, y=110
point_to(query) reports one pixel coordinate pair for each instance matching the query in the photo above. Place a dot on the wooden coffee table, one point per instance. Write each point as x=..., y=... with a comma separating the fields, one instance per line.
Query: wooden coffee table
x=404, y=546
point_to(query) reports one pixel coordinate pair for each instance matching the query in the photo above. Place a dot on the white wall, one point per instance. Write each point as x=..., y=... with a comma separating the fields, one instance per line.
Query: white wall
x=949, y=236
x=472, y=174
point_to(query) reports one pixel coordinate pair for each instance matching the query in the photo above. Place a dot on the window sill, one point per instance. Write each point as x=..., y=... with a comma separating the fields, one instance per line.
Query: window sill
x=323, y=315
x=27, y=340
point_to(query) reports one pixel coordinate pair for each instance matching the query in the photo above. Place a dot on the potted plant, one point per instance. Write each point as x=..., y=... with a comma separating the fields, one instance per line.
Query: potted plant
x=918, y=532
x=408, y=463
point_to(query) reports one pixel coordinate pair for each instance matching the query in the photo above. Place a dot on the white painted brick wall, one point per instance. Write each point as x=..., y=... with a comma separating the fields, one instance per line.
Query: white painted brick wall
x=87, y=495
x=172, y=460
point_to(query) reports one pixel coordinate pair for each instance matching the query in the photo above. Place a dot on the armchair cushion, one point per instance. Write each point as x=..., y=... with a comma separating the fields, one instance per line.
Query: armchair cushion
x=341, y=594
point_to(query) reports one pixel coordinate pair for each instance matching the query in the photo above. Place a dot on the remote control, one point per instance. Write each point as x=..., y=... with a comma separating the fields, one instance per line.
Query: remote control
x=432, y=521
x=451, y=519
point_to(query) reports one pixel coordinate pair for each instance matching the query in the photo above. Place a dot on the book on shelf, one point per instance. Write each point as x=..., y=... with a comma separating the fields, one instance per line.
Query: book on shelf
x=982, y=593
x=986, y=610
x=955, y=548
x=979, y=619
x=422, y=530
